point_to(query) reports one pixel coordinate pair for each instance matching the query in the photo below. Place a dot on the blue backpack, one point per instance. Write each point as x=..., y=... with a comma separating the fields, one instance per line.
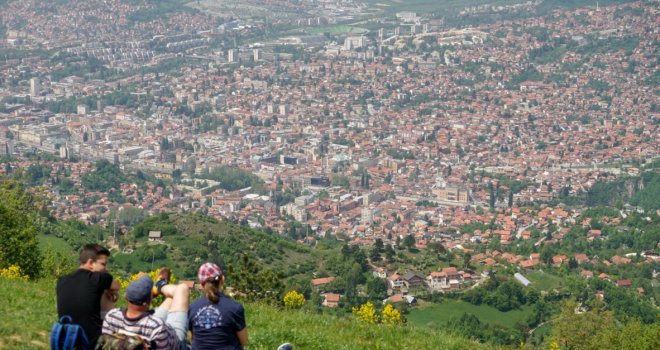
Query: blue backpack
x=65, y=335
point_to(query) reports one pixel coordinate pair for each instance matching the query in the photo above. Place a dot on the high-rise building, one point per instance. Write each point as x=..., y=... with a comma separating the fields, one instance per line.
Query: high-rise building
x=232, y=55
x=284, y=109
x=354, y=42
x=256, y=53
x=35, y=87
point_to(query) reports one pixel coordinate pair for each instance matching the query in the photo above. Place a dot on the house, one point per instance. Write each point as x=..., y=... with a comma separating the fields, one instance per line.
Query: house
x=395, y=281
x=581, y=258
x=331, y=300
x=414, y=280
x=557, y=260
x=618, y=260
x=587, y=274
x=529, y=264
x=321, y=281
x=447, y=278
x=397, y=298
x=623, y=283
x=155, y=236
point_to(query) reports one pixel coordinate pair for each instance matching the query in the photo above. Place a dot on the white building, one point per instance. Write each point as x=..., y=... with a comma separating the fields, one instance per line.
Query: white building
x=35, y=87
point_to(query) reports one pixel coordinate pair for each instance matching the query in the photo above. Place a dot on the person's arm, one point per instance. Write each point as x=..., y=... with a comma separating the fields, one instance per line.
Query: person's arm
x=239, y=320
x=114, y=288
x=110, y=296
x=242, y=336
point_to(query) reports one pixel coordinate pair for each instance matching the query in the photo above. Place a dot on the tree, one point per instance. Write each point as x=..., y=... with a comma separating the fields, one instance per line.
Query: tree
x=376, y=250
x=105, y=177
x=492, y=199
x=376, y=288
x=409, y=241
x=580, y=331
x=466, y=259
x=255, y=282
x=389, y=253
x=18, y=229
x=374, y=255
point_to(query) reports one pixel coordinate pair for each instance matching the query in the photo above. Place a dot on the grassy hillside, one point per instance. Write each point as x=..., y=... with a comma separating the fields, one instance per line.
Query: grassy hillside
x=435, y=315
x=190, y=238
x=28, y=310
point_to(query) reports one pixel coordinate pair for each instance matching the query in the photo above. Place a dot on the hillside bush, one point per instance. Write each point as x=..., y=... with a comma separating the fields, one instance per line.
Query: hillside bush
x=294, y=300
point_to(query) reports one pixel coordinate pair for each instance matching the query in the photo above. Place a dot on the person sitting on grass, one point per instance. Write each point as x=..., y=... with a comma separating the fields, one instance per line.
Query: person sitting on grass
x=216, y=322
x=165, y=327
x=89, y=292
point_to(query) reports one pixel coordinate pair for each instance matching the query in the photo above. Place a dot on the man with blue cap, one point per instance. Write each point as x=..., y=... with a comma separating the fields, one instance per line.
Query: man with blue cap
x=165, y=327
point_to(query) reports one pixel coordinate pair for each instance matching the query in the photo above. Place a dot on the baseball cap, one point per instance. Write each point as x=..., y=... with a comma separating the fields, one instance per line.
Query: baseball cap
x=139, y=291
x=208, y=271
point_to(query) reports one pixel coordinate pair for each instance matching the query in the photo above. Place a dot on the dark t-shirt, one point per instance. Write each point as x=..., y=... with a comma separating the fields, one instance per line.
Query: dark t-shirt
x=214, y=326
x=79, y=296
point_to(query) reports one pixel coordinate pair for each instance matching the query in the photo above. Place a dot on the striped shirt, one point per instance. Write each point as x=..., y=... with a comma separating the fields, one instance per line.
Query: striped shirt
x=147, y=326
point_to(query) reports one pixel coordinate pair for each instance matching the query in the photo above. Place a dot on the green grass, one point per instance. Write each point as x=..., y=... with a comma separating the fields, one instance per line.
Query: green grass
x=543, y=281
x=338, y=29
x=436, y=315
x=28, y=310
x=55, y=243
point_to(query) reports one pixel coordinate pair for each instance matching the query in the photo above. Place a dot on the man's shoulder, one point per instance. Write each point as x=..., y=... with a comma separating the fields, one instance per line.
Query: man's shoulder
x=146, y=324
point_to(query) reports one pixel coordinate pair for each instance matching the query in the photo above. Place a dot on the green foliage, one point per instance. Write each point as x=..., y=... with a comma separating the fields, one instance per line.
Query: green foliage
x=36, y=174
x=92, y=67
x=107, y=176
x=547, y=54
x=458, y=316
x=232, y=179
x=342, y=181
x=376, y=288
x=344, y=142
x=598, y=329
x=160, y=223
x=115, y=98
x=529, y=74
x=254, y=281
x=469, y=326
x=18, y=229
x=27, y=313
x=76, y=233
x=158, y=9
x=607, y=45
x=647, y=198
x=400, y=153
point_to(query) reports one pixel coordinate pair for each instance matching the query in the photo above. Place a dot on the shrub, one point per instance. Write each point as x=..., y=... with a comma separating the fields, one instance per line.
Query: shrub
x=366, y=313
x=13, y=272
x=294, y=300
x=391, y=316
